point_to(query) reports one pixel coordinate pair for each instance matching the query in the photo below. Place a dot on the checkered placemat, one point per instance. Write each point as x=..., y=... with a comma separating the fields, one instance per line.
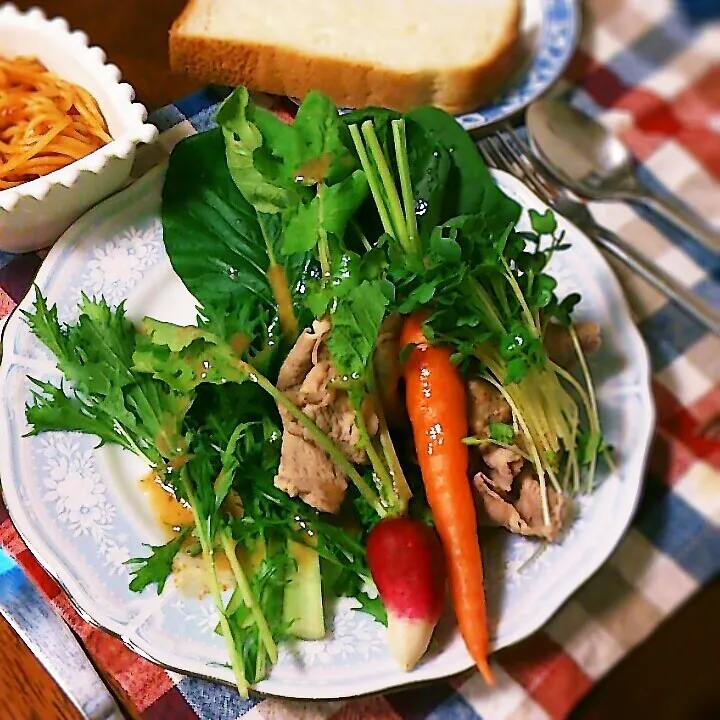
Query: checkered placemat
x=651, y=71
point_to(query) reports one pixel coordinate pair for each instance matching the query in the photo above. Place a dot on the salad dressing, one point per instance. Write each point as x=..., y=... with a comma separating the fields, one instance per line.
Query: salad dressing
x=314, y=170
x=189, y=573
x=277, y=279
x=169, y=511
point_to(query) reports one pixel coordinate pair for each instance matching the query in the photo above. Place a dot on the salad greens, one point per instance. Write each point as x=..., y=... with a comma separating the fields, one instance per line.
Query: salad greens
x=351, y=219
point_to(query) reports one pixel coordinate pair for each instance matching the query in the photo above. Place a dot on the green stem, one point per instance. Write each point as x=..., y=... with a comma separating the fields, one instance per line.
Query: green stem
x=268, y=244
x=474, y=440
x=372, y=178
x=488, y=307
x=208, y=556
x=386, y=484
x=401, y=157
x=248, y=597
x=594, y=418
x=323, y=247
x=361, y=235
x=400, y=484
x=391, y=193
x=529, y=319
x=565, y=375
x=277, y=279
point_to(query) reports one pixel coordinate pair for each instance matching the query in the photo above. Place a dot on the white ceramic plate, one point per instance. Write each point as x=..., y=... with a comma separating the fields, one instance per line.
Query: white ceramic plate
x=81, y=511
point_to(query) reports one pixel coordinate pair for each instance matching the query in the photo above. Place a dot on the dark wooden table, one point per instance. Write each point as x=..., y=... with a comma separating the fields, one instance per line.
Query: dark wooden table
x=674, y=675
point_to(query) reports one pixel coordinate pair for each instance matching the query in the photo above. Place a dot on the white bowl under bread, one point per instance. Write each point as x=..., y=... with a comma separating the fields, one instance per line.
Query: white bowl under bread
x=35, y=213
x=456, y=54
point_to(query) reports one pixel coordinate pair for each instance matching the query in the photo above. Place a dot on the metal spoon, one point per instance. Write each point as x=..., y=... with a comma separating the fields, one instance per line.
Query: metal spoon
x=595, y=165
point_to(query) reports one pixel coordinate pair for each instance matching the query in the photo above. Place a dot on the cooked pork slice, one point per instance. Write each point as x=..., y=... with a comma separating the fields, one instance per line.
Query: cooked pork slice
x=503, y=466
x=306, y=377
x=306, y=471
x=299, y=361
x=485, y=405
x=337, y=421
x=521, y=511
x=529, y=506
x=559, y=345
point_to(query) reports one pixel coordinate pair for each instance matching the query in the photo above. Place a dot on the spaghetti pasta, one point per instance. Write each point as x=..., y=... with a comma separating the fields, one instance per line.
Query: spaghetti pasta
x=46, y=122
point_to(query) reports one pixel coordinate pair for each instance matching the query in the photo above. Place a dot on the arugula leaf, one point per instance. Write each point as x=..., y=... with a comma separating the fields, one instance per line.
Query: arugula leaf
x=329, y=212
x=324, y=141
x=53, y=409
x=306, y=169
x=185, y=357
x=158, y=566
x=147, y=412
x=266, y=156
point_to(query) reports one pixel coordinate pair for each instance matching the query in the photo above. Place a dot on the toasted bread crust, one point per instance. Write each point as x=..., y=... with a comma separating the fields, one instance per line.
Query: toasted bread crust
x=288, y=71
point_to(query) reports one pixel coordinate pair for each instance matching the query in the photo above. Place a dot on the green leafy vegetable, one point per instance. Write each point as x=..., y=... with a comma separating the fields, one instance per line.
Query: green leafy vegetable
x=242, y=138
x=109, y=398
x=157, y=568
x=234, y=276
x=356, y=323
x=303, y=174
x=373, y=607
x=470, y=188
x=501, y=432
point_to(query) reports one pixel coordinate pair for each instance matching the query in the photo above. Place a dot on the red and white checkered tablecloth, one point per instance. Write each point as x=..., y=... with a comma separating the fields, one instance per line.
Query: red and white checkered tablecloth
x=651, y=71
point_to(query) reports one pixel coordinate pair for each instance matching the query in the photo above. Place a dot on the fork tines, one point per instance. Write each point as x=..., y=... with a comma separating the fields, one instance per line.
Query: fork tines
x=506, y=150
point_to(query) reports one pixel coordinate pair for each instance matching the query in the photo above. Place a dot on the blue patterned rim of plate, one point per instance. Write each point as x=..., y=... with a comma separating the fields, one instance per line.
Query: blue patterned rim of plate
x=559, y=36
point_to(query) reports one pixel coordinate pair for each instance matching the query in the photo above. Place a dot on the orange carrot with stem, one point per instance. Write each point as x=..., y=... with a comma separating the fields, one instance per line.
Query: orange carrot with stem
x=436, y=403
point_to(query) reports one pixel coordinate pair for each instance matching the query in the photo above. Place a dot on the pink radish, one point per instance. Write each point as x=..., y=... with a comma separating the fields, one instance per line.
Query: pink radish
x=407, y=563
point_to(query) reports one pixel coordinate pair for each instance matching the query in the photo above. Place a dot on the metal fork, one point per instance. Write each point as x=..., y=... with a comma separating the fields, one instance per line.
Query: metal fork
x=510, y=153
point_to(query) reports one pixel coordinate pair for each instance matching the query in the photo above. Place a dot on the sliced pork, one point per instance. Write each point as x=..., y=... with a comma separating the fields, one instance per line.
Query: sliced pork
x=307, y=379
x=503, y=465
x=306, y=471
x=485, y=405
x=520, y=510
x=559, y=345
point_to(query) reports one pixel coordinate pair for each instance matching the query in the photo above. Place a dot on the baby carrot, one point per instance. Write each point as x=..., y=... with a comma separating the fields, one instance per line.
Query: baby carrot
x=436, y=403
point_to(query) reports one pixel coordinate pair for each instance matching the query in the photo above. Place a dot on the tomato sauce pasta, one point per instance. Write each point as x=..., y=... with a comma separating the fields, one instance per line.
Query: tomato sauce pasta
x=46, y=122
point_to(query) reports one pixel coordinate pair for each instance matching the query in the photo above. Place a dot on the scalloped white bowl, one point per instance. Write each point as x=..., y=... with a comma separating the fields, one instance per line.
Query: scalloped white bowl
x=35, y=214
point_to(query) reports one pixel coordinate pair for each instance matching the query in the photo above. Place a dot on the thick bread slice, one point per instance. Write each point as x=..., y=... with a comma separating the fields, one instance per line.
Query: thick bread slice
x=455, y=54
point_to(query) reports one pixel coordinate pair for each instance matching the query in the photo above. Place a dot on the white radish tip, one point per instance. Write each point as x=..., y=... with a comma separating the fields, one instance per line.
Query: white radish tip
x=408, y=639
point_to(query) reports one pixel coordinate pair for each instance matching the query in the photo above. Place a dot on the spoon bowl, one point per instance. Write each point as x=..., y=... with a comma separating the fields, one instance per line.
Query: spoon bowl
x=590, y=161
x=594, y=163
